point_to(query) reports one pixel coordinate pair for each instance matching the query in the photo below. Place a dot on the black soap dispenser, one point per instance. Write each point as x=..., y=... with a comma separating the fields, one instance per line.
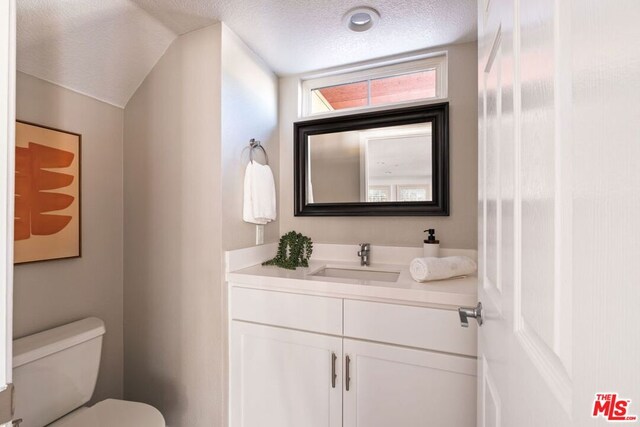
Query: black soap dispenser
x=431, y=245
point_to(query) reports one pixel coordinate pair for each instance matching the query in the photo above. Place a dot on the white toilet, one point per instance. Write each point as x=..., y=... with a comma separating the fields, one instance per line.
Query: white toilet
x=55, y=373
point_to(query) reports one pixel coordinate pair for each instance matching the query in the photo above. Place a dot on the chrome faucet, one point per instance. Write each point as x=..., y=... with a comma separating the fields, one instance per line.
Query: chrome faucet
x=363, y=253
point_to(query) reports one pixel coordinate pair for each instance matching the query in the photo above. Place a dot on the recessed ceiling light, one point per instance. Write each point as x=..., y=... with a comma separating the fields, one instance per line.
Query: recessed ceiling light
x=361, y=19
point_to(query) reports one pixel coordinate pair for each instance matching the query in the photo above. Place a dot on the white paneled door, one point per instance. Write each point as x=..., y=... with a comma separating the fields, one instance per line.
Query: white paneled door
x=7, y=125
x=559, y=212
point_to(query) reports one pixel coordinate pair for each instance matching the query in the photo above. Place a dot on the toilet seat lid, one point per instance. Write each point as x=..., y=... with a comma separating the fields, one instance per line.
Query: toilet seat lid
x=112, y=412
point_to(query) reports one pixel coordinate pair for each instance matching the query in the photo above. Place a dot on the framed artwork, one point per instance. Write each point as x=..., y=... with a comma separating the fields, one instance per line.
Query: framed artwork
x=47, y=199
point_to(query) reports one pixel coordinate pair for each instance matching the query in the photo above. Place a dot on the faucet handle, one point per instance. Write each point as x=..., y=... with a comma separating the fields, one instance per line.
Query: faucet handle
x=363, y=253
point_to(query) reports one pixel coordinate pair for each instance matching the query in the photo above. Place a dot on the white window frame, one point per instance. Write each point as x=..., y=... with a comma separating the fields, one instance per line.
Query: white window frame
x=434, y=61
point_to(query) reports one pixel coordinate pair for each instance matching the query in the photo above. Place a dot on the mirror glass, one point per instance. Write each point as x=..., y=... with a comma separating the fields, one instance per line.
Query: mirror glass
x=377, y=165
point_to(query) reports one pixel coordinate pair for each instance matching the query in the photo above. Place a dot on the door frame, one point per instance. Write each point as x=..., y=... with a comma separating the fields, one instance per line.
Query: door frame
x=7, y=153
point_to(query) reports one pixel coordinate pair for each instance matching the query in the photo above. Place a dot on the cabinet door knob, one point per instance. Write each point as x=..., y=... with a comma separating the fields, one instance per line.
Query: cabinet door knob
x=333, y=370
x=474, y=312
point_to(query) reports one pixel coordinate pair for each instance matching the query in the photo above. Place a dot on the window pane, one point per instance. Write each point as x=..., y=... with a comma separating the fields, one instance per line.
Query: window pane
x=340, y=97
x=407, y=87
x=379, y=193
x=413, y=194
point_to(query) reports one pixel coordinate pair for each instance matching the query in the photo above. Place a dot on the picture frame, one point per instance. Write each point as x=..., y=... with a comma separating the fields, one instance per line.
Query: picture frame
x=48, y=223
x=436, y=114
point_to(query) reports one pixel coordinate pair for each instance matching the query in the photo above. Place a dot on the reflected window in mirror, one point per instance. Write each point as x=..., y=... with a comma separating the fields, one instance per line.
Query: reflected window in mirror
x=385, y=164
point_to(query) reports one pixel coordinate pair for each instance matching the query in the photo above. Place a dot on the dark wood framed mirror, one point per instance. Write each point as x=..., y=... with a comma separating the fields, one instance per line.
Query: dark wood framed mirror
x=382, y=163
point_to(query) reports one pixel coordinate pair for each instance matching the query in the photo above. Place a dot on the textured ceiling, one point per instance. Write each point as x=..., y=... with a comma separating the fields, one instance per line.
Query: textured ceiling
x=105, y=48
x=295, y=36
x=102, y=48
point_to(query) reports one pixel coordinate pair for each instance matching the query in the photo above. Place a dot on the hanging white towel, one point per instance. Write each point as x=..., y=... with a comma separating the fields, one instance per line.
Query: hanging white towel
x=247, y=207
x=259, y=194
x=263, y=193
x=426, y=269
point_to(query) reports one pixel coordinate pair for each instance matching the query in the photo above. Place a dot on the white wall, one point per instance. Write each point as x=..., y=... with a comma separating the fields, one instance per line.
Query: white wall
x=173, y=291
x=456, y=231
x=51, y=293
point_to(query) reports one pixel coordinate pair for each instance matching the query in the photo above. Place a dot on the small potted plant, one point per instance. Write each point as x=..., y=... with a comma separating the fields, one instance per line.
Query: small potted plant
x=294, y=250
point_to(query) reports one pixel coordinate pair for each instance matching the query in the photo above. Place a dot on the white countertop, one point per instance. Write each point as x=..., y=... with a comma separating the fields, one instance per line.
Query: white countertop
x=450, y=293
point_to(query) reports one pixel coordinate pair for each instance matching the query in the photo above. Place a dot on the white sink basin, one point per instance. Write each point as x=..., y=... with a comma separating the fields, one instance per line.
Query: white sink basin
x=358, y=274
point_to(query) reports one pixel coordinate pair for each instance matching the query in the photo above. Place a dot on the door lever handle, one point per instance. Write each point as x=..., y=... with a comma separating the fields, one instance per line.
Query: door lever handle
x=466, y=312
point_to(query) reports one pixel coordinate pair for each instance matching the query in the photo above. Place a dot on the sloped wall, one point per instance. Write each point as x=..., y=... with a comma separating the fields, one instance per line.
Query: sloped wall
x=173, y=289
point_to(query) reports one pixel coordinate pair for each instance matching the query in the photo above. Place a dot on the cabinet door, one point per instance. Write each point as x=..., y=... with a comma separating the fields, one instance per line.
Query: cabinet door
x=284, y=378
x=398, y=386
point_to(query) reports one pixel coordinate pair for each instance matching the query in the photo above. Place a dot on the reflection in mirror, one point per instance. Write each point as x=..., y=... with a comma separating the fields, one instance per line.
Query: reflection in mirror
x=385, y=164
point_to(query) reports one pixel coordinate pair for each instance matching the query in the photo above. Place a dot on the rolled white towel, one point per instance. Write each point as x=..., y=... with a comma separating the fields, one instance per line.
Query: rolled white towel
x=427, y=269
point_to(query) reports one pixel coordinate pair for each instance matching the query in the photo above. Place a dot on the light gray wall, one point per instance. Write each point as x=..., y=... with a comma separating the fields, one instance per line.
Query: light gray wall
x=174, y=350
x=249, y=110
x=52, y=293
x=456, y=231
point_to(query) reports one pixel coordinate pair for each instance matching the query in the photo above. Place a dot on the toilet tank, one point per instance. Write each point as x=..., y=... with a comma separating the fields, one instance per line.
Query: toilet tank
x=55, y=371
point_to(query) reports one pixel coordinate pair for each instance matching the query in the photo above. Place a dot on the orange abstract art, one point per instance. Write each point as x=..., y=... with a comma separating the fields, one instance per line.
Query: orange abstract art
x=47, y=193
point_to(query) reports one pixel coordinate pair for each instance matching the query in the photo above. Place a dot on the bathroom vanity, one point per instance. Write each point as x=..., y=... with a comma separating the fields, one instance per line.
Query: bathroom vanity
x=335, y=344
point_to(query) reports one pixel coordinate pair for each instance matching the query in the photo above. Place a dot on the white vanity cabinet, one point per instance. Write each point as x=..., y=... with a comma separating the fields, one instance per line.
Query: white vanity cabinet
x=282, y=377
x=310, y=360
x=397, y=386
